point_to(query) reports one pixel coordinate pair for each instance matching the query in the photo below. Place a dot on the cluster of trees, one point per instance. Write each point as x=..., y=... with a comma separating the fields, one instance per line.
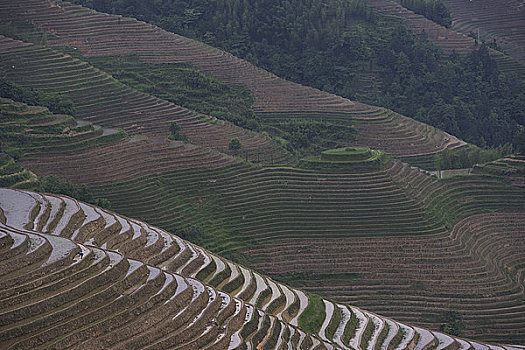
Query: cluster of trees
x=434, y=10
x=311, y=137
x=35, y=97
x=334, y=45
x=467, y=157
x=176, y=133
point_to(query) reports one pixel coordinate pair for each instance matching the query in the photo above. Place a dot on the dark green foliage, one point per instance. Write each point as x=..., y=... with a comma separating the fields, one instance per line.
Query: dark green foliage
x=176, y=134
x=205, y=272
x=265, y=294
x=235, y=145
x=468, y=156
x=251, y=326
x=382, y=336
x=259, y=336
x=52, y=184
x=333, y=45
x=184, y=86
x=397, y=339
x=465, y=96
x=434, y=10
x=519, y=141
x=34, y=97
x=311, y=136
x=233, y=285
x=453, y=324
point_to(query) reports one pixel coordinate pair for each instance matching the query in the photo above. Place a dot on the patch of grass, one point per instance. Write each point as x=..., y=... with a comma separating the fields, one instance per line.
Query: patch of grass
x=334, y=323
x=382, y=336
x=259, y=336
x=313, y=316
x=452, y=323
x=251, y=326
x=397, y=339
x=263, y=297
x=367, y=334
x=350, y=328
x=205, y=272
x=234, y=285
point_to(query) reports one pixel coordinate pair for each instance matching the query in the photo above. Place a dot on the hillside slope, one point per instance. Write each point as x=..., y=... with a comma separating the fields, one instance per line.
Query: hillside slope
x=97, y=34
x=503, y=22
x=128, y=269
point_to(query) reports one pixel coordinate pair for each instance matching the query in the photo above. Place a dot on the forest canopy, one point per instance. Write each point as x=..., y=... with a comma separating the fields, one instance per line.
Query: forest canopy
x=344, y=48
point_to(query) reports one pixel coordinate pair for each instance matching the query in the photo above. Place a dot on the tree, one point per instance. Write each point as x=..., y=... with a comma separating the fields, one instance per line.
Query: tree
x=176, y=134
x=235, y=145
x=519, y=141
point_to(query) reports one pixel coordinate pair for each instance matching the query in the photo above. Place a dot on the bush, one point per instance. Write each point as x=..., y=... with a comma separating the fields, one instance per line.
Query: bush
x=176, y=134
x=235, y=145
x=453, y=324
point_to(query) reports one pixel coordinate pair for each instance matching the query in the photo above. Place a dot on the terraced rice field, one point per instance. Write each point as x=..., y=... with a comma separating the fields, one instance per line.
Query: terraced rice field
x=97, y=279
x=444, y=38
x=102, y=100
x=503, y=21
x=387, y=238
x=100, y=34
x=395, y=240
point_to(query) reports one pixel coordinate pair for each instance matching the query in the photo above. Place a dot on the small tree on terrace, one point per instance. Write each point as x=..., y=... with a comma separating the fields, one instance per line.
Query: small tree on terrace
x=176, y=134
x=235, y=145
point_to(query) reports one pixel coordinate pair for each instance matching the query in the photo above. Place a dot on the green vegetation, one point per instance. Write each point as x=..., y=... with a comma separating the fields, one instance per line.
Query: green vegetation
x=519, y=141
x=176, y=134
x=367, y=334
x=313, y=316
x=52, y=184
x=34, y=97
x=452, y=324
x=334, y=323
x=28, y=130
x=397, y=339
x=305, y=136
x=470, y=155
x=235, y=145
x=434, y=10
x=382, y=336
x=13, y=174
x=339, y=45
x=184, y=86
x=347, y=159
x=350, y=328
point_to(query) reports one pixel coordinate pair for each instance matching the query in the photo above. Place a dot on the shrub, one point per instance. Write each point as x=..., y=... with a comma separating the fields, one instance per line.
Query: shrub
x=235, y=145
x=176, y=134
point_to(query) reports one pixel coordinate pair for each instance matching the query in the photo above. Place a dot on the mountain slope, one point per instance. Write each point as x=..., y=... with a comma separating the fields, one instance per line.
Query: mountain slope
x=123, y=291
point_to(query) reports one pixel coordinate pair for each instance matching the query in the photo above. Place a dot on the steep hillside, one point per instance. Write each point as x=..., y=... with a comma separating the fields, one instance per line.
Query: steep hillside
x=499, y=22
x=371, y=51
x=131, y=285
x=419, y=247
x=96, y=34
x=502, y=22
x=296, y=225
